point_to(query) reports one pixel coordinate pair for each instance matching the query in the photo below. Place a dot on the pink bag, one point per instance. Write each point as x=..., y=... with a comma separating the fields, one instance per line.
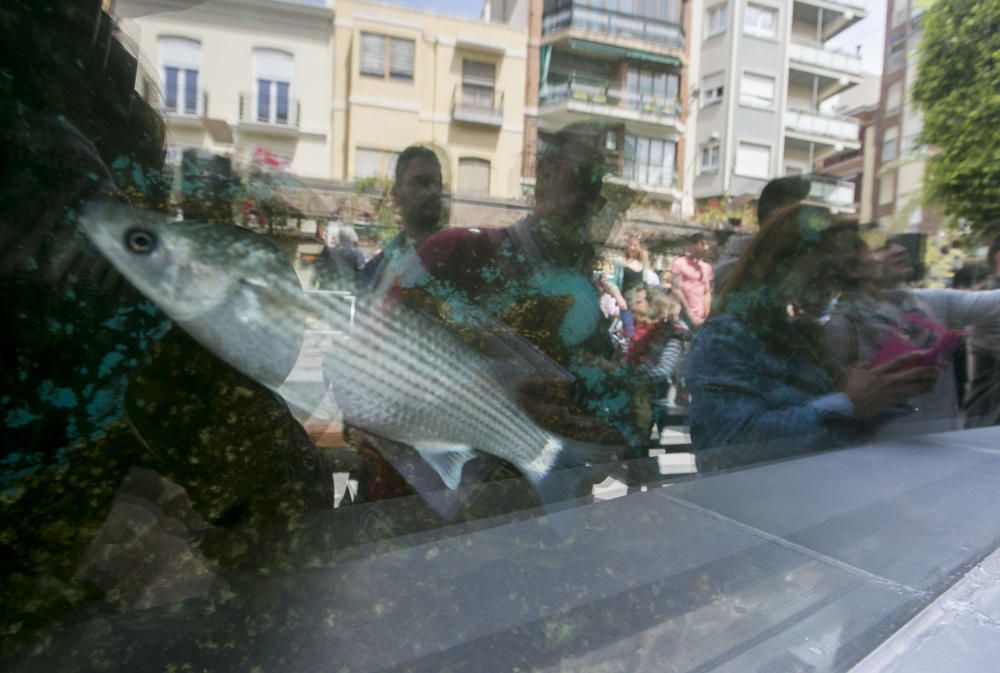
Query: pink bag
x=896, y=344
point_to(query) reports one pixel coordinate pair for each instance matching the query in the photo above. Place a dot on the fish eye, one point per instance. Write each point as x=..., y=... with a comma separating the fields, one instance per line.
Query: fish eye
x=140, y=241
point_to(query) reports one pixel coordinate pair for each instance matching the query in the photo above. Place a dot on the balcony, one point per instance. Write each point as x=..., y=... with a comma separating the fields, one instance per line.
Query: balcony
x=657, y=181
x=614, y=24
x=831, y=192
x=181, y=112
x=816, y=56
x=271, y=119
x=855, y=6
x=823, y=128
x=831, y=16
x=477, y=105
x=576, y=98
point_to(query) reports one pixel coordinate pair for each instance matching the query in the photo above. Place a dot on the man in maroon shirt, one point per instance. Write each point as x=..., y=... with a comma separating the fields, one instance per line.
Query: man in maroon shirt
x=534, y=280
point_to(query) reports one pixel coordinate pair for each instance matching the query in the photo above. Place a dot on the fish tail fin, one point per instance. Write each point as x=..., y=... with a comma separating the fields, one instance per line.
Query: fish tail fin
x=561, y=485
x=584, y=454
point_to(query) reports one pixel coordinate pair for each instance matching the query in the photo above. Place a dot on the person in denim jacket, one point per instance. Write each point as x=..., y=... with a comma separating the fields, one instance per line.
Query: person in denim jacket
x=762, y=386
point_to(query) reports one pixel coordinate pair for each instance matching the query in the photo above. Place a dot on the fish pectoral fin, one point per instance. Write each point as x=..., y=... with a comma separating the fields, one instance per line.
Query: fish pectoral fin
x=447, y=460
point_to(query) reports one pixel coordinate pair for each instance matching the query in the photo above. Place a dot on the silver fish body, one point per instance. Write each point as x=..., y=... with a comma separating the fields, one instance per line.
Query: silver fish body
x=397, y=372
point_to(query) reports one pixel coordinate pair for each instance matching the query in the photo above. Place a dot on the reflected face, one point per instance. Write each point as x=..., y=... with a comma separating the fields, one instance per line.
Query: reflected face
x=893, y=264
x=698, y=249
x=814, y=278
x=418, y=196
x=568, y=197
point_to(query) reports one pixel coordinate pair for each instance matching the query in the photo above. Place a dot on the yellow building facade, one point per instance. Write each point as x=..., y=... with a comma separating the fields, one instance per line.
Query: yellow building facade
x=336, y=94
x=406, y=76
x=239, y=77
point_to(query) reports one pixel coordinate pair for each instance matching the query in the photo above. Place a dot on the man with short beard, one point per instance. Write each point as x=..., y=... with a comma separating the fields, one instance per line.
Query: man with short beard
x=417, y=193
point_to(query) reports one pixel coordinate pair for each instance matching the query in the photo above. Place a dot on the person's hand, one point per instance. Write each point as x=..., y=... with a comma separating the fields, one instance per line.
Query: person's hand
x=873, y=389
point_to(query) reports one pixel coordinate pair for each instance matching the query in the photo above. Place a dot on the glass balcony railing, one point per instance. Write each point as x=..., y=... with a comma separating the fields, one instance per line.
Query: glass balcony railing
x=832, y=192
x=610, y=94
x=848, y=4
x=840, y=129
x=650, y=176
x=615, y=24
x=818, y=56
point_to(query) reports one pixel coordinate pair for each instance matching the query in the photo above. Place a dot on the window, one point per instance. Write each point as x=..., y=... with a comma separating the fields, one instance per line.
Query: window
x=273, y=72
x=889, y=143
x=894, y=97
x=611, y=141
x=794, y=169
x=180, y=61
x=711, y=88
x=897, y=53
x=898, y=12
x=474, y=177
x=370, y=163
x=708, y=160
x=648, y=88
x=386, y=57
x=760, y=21
x=664, y=10
x=650, y=160
x=753, y=161
x=478, y=81
x=757, y=90
x=715, y=20
x=887, y=189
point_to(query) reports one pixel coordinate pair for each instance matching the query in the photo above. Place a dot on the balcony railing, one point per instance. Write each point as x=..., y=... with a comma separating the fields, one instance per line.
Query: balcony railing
x=275, y=115
x=181, y=109
x=821, y=57
x=477, y=105
x=651, y=176
x=832, y=192
x=841, y=129
x=615, y=24
x=848, y=4
x=610, y=94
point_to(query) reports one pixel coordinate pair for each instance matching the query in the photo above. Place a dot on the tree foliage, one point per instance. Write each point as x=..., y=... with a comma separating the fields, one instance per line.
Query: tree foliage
x=958, y=88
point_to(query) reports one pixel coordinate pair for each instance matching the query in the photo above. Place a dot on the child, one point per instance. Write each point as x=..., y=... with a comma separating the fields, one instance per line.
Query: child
x=656, y=350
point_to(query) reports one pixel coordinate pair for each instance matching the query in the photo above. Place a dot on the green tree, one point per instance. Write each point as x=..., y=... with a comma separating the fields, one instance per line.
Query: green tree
x=377, y=192
x=958, y=88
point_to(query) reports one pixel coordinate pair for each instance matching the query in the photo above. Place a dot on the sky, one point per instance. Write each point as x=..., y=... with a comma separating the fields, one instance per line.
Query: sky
x=869, y=32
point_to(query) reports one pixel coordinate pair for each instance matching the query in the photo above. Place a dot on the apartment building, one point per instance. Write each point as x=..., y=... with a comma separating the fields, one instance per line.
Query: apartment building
x=620, y=63
x=765, y=70
x=407, y=76
x=335, y=97
x=857, y=166
x=239, y=78
x=897, y=197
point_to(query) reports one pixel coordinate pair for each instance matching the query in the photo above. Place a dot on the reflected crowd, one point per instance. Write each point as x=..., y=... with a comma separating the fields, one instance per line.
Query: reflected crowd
x=480, y=372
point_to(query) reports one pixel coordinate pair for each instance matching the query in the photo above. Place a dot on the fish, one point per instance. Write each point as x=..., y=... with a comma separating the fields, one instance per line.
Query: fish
x=395, y=370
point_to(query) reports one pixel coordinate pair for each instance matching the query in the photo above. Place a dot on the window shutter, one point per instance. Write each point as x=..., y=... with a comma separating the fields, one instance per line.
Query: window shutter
x=372, y=55
x=367, y=163
x=474, y=177
x=753, y=160
x=401, y=59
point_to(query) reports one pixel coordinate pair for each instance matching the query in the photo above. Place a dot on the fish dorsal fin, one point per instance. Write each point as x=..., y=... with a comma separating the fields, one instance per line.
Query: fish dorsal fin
x=447, y=460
